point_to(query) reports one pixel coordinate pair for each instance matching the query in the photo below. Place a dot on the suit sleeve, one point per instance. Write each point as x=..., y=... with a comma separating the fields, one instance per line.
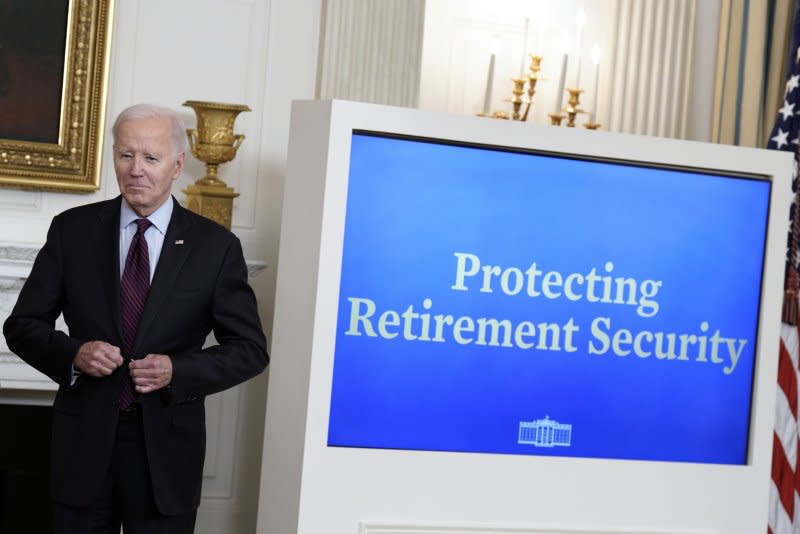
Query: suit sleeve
x=241, y=352
x=30, y=329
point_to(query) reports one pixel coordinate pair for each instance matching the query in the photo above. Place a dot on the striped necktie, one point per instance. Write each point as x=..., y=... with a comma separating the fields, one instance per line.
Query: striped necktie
x=134, y=287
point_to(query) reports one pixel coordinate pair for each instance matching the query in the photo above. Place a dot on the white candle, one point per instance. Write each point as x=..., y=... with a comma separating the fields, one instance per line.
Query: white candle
x=561, y=82
x=596, y=60
x=487, y=95
x=524, y=48
x=580, y=22
x=562, y=79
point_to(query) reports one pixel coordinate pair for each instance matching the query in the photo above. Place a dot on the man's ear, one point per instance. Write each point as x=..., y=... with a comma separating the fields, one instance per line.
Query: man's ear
x=179, y=165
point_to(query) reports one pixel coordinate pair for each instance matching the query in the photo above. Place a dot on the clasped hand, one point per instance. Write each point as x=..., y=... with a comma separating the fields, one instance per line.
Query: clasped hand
x=99, y=359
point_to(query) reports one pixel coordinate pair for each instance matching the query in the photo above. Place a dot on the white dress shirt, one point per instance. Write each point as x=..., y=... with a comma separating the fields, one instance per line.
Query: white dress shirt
x=154, y=234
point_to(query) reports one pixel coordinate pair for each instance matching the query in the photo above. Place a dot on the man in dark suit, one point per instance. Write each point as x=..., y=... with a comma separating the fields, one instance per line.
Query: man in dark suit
x=141, y=282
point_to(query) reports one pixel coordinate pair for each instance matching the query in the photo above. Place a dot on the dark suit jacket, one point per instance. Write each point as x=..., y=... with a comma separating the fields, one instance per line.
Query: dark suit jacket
x=200, y=284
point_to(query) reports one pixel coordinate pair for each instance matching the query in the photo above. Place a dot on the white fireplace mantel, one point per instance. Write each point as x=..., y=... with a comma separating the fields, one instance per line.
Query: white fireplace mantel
x=16, y=375
x=19, y=382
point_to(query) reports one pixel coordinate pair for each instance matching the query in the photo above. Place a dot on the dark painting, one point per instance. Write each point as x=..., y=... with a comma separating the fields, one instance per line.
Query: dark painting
x=32, y=57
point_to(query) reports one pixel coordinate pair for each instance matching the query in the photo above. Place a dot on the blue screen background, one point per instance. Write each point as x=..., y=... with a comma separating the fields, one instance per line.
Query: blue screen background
x=412, y=204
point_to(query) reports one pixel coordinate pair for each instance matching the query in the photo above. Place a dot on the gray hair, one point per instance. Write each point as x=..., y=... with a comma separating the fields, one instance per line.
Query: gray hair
x=150, y=111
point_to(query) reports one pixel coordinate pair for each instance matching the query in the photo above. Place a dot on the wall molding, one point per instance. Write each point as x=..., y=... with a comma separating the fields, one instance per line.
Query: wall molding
x=22, y=200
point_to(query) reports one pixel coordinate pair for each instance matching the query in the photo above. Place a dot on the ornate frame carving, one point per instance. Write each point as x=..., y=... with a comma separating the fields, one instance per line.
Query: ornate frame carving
x=72, y=163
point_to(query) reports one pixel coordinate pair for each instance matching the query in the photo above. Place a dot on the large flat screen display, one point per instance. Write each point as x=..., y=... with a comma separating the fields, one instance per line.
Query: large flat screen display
x=500, y=301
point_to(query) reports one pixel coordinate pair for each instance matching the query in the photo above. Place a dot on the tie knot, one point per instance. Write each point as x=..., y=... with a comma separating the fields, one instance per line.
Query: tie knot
x=142, y=225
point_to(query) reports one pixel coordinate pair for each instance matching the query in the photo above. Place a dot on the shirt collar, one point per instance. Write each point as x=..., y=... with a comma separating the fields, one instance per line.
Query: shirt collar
x=159, y=218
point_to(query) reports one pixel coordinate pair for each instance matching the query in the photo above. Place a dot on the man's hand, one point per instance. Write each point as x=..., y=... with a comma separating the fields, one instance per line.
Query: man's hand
x=151, y=373
x=97, y=358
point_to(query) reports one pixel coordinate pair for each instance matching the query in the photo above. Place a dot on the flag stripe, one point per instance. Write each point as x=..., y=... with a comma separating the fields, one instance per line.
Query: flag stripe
x=787, y=379
x=779, y=522
x=786, y=428
x=783, y=476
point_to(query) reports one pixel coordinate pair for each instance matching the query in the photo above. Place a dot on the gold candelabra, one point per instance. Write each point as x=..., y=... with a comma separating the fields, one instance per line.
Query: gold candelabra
x=572, y=108
x=517, y=99
x=534, y=75
x=556, y=118
x=524, y=89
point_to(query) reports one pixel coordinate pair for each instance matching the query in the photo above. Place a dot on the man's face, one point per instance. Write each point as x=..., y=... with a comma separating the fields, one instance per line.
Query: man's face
x=146, y=163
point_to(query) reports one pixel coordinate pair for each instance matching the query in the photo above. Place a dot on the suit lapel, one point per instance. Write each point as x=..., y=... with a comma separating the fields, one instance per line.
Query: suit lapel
x=104, y=237
x=173, y=255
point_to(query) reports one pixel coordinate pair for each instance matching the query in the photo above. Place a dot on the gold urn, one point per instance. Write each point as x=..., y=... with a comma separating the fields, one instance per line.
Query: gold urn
x=213, y=143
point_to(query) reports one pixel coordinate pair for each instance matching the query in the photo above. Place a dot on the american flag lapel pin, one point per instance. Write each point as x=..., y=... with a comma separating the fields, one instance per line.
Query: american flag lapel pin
x=179, y=241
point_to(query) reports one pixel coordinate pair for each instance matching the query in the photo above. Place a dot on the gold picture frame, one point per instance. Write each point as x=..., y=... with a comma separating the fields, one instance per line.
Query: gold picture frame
x=59, y=151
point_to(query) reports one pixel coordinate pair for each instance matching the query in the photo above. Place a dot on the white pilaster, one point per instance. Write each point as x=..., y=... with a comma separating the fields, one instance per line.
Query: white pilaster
x=651, y=67
x=371, y=51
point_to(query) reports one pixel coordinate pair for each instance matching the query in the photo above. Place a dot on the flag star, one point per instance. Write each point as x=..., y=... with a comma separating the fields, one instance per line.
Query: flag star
x=793, y=83
x=781, y=138
x=787, y=110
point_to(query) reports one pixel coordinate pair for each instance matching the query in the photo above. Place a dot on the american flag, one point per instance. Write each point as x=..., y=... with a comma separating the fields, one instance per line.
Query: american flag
x=784, y=498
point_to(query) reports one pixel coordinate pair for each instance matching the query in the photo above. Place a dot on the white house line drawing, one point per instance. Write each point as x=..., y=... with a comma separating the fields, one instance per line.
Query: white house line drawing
x=545, y=433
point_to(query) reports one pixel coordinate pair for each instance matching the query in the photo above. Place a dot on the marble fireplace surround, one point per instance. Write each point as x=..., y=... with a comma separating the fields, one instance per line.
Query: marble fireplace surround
x=19, y=382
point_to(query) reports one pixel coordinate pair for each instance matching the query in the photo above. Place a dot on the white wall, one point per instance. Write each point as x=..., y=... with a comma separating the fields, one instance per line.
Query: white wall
x=262, y=53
